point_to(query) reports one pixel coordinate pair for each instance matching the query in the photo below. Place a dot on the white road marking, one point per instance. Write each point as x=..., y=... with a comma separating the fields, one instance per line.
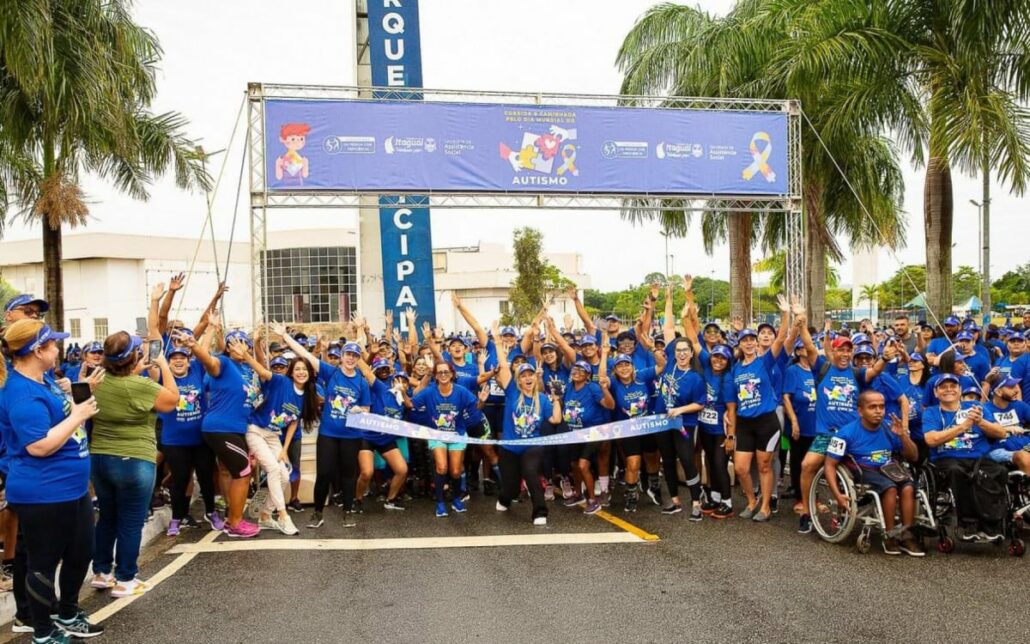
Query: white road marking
x=413, y=543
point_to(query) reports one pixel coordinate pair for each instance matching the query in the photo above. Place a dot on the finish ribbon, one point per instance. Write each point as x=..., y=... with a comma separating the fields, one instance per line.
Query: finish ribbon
x=760, y=159
x=568, y=155
x=641, y=426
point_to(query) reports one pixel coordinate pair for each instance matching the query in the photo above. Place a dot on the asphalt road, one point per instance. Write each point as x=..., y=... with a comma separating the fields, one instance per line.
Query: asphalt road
x=715, y=581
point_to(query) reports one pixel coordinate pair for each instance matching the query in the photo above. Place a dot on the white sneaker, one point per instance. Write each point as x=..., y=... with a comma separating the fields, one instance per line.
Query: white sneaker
x=102, y=581
x=500, y=507
x=269, y=524
x=286, y=525
x=540, y=521
x=129, y=588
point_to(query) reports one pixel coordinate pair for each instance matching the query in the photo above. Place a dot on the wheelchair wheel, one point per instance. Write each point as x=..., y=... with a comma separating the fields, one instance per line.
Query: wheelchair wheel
x=864, y=541
x=832, y=522
x=1017, y=548
x=946, y=545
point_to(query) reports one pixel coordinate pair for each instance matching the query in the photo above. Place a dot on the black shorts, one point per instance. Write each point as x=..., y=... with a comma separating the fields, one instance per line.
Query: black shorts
x=231, y=451
x=632, y=446
x=481, y=430
x=758, y=434
x=369, y=446
x=648, y=443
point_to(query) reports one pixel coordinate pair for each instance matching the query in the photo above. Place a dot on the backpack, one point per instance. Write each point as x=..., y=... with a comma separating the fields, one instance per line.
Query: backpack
x=989, y=480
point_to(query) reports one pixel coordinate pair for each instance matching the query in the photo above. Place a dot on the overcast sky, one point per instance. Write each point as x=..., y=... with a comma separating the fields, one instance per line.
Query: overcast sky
x=212, y=49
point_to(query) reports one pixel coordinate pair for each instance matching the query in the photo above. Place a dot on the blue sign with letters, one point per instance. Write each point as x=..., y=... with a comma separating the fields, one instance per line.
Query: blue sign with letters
x=413, y=146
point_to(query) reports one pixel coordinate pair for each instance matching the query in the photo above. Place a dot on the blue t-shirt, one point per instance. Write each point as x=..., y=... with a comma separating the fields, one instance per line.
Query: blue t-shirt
x=231, y=397
x=752, y=387
x=473, y=415
x=939, y=345
x=1012, y=367
x=384, y=403
x=469, y=369
x=710, y=419
x=342, y=393
x=930, y=397
x=523, y=416
x=561, y=374
x=836, y=393
x=799, y=384
x=678, y=387
x=916, y=396
x=32, y=409
x=979, y=365
x=281, y=408
x=633, y=399
x=181, y=426
x=890, y=388
x=870, y=449
x=1016, y=414
x=582, y=408
x=969, y=444
x=445, y=413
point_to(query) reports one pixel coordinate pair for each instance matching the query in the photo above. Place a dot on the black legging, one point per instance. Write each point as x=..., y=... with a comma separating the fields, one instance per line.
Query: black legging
x=336, y=465
x=717, y=461
x=798, y=448
x=55, y=533
x=182, y=460
x=516, y=467
x=672, y=445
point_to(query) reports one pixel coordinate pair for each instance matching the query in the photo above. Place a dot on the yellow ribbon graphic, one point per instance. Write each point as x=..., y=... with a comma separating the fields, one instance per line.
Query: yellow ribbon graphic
x=759, y=159
x=568, y=154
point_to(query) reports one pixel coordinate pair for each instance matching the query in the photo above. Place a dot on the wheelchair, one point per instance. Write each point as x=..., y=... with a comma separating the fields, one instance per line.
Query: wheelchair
x=1017, y=493
x=864, y=511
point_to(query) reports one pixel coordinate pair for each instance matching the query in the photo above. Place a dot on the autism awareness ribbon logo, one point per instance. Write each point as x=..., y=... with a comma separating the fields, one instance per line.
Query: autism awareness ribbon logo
x=760, y=158
x=568, y=155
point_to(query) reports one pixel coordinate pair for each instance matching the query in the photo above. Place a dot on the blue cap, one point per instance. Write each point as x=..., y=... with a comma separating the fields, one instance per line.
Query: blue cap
x=745, y=333
x=612, y=318
x=915, y=355
x=352, y=347
x=278, y=361
x=44, y=335
x=179, y=351
x=334, y=351
x=239, y=335
x=945, y=377
x=971, y=389
x=134, y=343
x=964, y=335
x=508, y=330
x=711, y=325
x=765, y=325
x=585, y=366
x=951, y=320
x=588, y=339
x=93, y=347
x=458, y=338
x=622, y=357
x=970, y=325
x=548, y=345
x=1016, y=336
x=25, y=299
x=400, y=374
x=860, y=338
x=524, y=367
x=864, y=350
x=799, y=344
x=381, y=363
x=722, y=350
x=1007, y=382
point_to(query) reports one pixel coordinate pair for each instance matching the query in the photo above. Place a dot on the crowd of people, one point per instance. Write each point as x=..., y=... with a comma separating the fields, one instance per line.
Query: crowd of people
x=88, y=442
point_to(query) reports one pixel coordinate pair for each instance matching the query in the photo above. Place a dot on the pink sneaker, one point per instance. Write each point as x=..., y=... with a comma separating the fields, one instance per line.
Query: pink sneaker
x=243, y=530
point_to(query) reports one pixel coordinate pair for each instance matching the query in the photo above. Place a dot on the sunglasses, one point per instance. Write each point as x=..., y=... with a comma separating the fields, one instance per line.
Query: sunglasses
x=29, y=312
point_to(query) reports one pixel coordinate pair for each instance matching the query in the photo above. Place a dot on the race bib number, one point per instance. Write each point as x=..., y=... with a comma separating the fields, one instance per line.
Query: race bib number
x=708, y=416
x=837, y=447
x=495, y=388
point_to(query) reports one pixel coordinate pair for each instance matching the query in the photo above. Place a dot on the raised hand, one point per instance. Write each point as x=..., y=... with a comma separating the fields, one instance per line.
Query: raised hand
x=214, y=318
x=688, y=282
x=177, y=282
x=737, y=323
x=495, y=329
x=796, y=307
x=223, y=288
x=157, y=292
x=427, y=330
x=411, y=314
x=389, y=318
x=781, y=301
x=567, y=320
x=655, y=290
x=572, y=293
x=237, y=349
x=94, y=379
x=278, y=328
x=455, y=299
x=896, y=426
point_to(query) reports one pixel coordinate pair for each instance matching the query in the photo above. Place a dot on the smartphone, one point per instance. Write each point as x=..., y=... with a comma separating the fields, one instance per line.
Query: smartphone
x=154, y=349
x=81, y=392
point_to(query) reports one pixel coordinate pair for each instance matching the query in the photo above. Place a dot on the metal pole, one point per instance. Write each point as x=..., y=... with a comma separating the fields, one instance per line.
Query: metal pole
x=983, y=250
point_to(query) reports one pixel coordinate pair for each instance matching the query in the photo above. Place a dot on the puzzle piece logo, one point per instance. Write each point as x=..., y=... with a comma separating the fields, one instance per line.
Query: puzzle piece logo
x=538, y=152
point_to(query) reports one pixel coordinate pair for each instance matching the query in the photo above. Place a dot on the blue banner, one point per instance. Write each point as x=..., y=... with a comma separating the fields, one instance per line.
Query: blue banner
x=395, y=55
x=633, y=427
x=388, y=146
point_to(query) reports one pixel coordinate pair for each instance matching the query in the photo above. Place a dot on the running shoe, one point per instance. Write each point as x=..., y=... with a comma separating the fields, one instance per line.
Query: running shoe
x=631, y=502
x=242, y=530
x=604, y=498
x=215, y=520
x=103, y=581
x=188, y=522
x=79, y=626
x=566, y=489
x=394, y=504
x=724, y=511
x=540, y=521
x=548, y=492
x=316, y=520
x=890, y=546
x=349, y=521
x=673, y=508
x=441, y=509
x=56, y=636
x=338, y=499
x=458, y=506
x=774, y=504
x=21, y=626
x=911, y=547
x=760, y=517
x=592, y=507
x=358, y=507
x=465, y=497
x=709, y=507
x=129, y=588
x=286, y=525
x=500, y=507
x=269, y=524
x=173, y=528
x=220, y=504
x=573, y=501
x=295, y=506
x=805, y=525
x=695, y=512
x=655, y=493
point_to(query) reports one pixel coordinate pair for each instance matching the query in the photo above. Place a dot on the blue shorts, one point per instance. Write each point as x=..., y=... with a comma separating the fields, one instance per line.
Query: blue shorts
x=402, y=444
x=880, y=483
x=1001, y=455
x=819, y=444
x=457, y=446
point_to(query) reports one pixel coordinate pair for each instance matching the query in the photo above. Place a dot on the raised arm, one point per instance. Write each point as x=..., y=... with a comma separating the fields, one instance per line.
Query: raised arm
x=153, y=315
x=567, y=352
x=503, y=368
x=669, y=326
x=202, y=347
x=279, y=329
x=174, y=285
x=430, y=338
x=366, y=371
x=881, y=361
x=781, y=336
x=238, y=351
x=211, y=308
x=811, y=350
x=470, y=319
x=581, y=310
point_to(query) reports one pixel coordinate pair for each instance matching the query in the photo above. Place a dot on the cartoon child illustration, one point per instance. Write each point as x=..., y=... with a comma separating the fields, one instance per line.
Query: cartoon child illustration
x=291, y=168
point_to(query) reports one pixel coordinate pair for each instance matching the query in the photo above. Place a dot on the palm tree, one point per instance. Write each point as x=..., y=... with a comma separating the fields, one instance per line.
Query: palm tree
x=677, y=50
x=76, y=80
x=869, y=293
x=776, y=264
x=966, y=61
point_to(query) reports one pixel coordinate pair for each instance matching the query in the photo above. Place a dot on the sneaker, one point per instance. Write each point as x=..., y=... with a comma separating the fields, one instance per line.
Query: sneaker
x=631, y=503
x=286, y=525
x=760, y=517
x=358, y=507
x=695, y=512
x=79, y=626
x=348, y=520
x=709, y=507
x=489, y=487
x=566, y=489
x=188, y=522
x=655, y=494
x=605, y=499
x=748, y=513
x=805, y=525
x=890, y=546
x=500, y=507
x=573, y=501
x=774, y=505
x=103, y=581
x=724, y=511
x=316, y=520
x=295, y=506
x=911, y=548
x=56, y=636
x=458, y=506
x=173, y=528
x=269, y=524
x=394, y=504
x=242, y=530
x=20, y=626
x=592, y=507
x=220, y=504
x=441, y=509
x=215, y=520
x=549, y=492
x=672, y=508
x=540, y=521
x=129, y=588
x=338, y=499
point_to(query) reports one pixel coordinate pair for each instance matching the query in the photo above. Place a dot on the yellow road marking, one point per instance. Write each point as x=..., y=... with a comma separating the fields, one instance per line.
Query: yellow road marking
x=627, y=526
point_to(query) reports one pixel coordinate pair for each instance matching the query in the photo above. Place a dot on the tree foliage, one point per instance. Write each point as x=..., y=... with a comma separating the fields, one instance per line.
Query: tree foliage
x=536, y=279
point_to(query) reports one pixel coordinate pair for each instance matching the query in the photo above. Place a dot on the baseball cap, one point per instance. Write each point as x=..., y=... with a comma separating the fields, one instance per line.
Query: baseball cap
x=24, y=300
x=352, y=347
x=525, y=366
x=622, y=358
x=864, y=350
x=860, y=338
x=381, y=363
x=1006, y=382
x=239, y=335
x=746, y=333
x=588, y=338
x=612, y=318
x=548, y=345
x=712, y=325
x=508, y=330
x=722, y=350
x=1016, y=336
x=453, y=338
x=278, y=361
x=951, y=320
x=945, y=377
x=181, y=351
x=963, y=335
x=766, y=325
x=44, y=335
x=840, y=341
x=915, y=356
x=93, y=347
x=799, y=344
x=584, y=365
x=971, y=389
x=400, y=374
x=334, y=351
x=275, y=346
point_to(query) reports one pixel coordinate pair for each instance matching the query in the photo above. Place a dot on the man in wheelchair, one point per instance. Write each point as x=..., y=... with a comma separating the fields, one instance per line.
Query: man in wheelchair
x=960, y=434
x=1014, y=416
x=874, y=444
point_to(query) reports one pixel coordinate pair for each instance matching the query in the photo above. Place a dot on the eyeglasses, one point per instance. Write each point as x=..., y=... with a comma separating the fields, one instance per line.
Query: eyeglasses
x=29, y=311
x=443, y=372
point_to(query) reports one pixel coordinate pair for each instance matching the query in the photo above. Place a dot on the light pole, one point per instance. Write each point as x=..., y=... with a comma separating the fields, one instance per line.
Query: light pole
x=665, y=233
x=984, y=264
x=711, y=294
